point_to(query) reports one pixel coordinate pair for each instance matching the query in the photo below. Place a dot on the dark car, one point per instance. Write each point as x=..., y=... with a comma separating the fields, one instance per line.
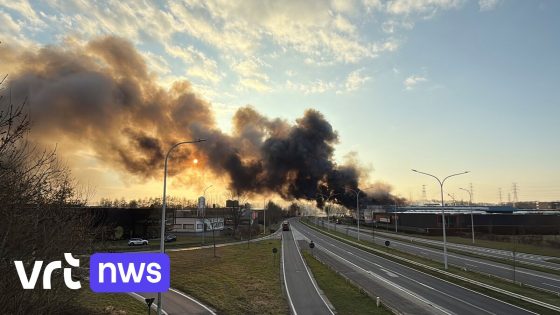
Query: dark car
x=285, y=226
x=170, y=238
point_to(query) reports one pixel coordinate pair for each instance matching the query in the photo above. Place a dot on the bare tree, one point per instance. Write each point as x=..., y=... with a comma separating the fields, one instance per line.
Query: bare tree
x=42, y=215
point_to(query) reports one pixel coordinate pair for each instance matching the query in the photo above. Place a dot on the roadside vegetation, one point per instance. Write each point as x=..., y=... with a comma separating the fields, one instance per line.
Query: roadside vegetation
x=483, y=278
x=346, y=298
x=109, y=304
x=240, y=280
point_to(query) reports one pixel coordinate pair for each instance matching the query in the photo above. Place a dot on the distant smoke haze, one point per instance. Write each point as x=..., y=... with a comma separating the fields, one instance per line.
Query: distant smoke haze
x=102, y=96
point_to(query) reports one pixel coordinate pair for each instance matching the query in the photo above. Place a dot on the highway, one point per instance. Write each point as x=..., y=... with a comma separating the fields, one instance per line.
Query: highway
x=444, y=296
x=537, y=260
x=304, y=296
x=541, y=280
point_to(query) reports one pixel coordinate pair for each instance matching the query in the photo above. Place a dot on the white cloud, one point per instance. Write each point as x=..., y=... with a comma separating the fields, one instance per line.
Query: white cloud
x=315, y=87
x=198, y=64
x=156, y=63
x=355, y=80
x=408, y=7
x=488, y=5
x=412, y=81
x=25, y=10
x=251, y=74
x=9, y=26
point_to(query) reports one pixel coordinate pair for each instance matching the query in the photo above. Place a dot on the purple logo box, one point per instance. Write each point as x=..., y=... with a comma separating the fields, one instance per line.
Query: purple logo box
x=129, y=272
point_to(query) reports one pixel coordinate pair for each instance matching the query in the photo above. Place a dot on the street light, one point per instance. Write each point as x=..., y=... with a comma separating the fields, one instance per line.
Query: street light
x=162, y=239
x=441, y=182
x=470, y=206
x=357, y=192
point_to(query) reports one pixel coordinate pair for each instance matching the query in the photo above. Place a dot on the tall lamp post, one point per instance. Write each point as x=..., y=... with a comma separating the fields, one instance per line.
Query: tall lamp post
x=441, y=182
x=470, y=206
x=357, y=192
x=164, y=204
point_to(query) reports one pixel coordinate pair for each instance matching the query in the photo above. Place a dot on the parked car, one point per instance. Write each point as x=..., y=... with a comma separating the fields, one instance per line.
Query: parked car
x=137, y=241
x=170, y=238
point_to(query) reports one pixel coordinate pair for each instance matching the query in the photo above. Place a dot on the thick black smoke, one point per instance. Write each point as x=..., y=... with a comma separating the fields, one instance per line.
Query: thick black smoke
x=102, y=96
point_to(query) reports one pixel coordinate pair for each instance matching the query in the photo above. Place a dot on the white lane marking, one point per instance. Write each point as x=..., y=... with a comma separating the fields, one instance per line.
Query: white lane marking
x=142, y=299
x=532, y=259
x=475, y=266
x=415, y=270
x=390, y=274
x=309, y=274
x=475, y=261
x=429, y=287
x=419, y=297
x=285, y=282
x=194, y=300
x=552, y=285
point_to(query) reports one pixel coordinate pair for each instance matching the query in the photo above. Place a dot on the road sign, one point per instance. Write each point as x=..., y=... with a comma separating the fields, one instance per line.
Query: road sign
x=274, y=250
x=149, y=301
x=311, y=245
x=387, y=243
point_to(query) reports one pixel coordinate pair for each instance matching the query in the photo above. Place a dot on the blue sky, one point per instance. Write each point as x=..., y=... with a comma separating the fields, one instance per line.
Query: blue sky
x=437, y=85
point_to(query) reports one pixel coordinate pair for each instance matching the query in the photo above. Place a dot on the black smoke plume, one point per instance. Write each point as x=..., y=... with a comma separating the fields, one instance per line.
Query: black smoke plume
x=101, y=95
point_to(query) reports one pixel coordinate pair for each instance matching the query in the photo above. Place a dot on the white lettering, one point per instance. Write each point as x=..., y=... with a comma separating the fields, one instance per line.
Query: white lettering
x=113, y=270
x=131, y=272
x=155, y=275
x=47, y=274
x=28, y=283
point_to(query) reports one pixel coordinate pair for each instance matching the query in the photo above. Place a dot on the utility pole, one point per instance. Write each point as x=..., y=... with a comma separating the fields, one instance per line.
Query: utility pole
x=470, y=206
x=500, y=194
x=515, y=200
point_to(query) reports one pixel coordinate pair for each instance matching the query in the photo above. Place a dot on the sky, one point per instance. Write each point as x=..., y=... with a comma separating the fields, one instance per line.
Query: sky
x=441, y=86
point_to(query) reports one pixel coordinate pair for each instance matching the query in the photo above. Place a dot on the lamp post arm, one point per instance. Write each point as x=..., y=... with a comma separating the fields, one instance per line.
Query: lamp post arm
x=439, y=181
x=452, y=176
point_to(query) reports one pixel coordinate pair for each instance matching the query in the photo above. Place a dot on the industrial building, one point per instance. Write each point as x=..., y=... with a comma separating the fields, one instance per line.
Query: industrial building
x=487, y=219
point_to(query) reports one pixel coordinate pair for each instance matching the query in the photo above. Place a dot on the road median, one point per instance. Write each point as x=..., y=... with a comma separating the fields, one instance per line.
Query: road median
x=520, y=296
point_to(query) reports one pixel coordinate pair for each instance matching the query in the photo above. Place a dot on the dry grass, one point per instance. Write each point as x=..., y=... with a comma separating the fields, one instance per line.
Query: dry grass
x=238, y=281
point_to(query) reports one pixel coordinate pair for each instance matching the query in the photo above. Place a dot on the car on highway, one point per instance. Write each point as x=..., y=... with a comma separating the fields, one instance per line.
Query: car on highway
x=285, y=226
x=137, y=241
x=170, y=238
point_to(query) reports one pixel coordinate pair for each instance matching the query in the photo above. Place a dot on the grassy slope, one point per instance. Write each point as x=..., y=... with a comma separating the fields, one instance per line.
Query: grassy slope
x=238, y=281
x=346, y=298
x=96, y=303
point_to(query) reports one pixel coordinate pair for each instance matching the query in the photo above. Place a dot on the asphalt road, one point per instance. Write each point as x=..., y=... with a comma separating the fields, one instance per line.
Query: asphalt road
x=542, y=280
x=303, y=295
x=538, y=260
x=177, y=303
x=444, y=296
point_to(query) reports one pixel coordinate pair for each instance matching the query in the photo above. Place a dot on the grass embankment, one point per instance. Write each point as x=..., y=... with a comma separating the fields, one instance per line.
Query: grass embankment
x=483, y=278
x=238, y=281
x=345, y=297
x=109, y=303
x=554, y=260
x=508, y=246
